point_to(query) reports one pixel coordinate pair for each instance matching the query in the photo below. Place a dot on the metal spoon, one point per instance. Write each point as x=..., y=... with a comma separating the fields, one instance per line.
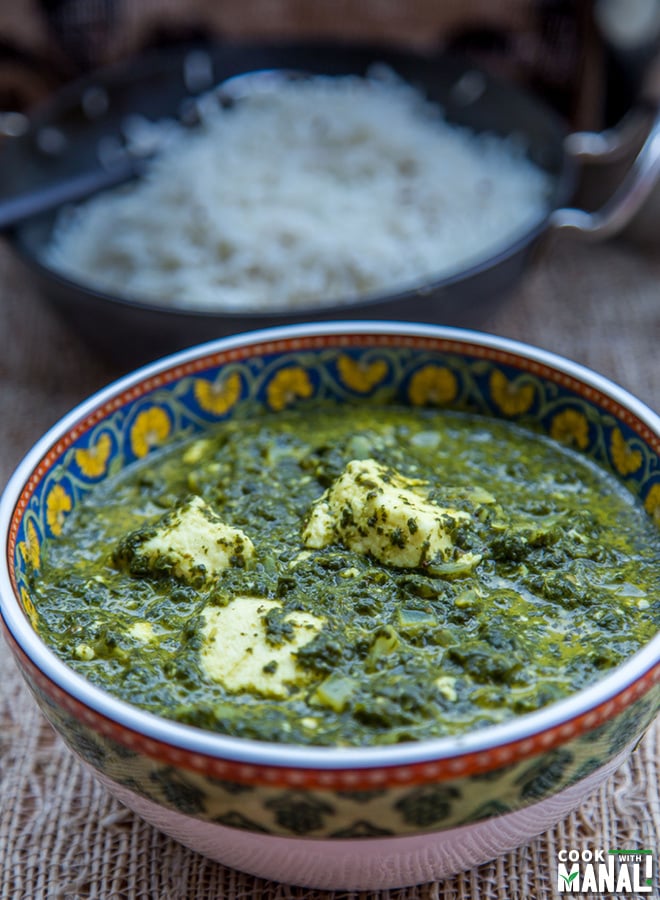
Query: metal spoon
x=69, y=190
x=127, y=165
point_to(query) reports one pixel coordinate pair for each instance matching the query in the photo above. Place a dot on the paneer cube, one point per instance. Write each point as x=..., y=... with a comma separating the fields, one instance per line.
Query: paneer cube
x=238, y=654
x=190, y=543
x=374, y=510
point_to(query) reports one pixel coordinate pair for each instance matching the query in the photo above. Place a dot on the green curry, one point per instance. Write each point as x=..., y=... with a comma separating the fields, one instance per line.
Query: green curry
x=359, y=576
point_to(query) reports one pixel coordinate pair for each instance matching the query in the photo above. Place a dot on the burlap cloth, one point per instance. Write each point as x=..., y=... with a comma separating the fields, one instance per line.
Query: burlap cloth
x=63, y=836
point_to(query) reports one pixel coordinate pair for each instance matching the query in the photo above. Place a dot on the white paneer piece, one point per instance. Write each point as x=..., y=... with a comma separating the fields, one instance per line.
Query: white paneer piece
x=142, y=631
x=372, y=509
x=237, y=653
x=189, y=542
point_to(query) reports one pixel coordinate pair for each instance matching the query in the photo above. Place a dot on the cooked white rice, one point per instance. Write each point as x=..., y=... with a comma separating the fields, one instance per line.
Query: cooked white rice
x=325, y=190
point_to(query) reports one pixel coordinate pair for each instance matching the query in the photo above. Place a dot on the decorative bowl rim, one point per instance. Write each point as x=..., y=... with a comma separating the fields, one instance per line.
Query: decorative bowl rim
x=614, y=691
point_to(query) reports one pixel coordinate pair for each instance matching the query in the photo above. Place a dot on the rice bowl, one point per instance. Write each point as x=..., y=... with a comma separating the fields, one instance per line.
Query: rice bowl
x=318, y=190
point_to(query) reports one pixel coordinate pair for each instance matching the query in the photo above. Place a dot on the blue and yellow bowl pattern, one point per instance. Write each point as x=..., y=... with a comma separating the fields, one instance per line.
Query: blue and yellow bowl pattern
x=299, y=367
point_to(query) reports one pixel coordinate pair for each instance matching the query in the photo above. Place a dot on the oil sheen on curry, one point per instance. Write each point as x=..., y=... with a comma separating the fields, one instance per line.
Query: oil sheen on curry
x=356, y=577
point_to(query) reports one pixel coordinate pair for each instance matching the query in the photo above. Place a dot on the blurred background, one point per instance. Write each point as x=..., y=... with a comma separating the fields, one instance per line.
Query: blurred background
x=598, y=303
x=587, y=57
x=593, y=61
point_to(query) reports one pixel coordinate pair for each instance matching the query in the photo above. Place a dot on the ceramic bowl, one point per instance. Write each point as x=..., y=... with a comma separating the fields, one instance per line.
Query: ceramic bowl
x=335, y=818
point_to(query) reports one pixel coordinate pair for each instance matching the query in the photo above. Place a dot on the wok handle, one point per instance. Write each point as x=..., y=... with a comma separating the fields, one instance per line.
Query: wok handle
x=628, y=198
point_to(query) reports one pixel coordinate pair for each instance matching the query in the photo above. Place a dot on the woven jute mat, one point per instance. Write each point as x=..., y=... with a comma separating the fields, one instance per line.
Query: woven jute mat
x=63, y=836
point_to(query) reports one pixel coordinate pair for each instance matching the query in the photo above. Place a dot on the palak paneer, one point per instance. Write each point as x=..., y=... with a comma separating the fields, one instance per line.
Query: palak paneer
x=354, y=576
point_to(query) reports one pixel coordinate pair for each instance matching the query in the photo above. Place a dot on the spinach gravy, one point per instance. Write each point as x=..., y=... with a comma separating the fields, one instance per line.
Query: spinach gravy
x=356, y=576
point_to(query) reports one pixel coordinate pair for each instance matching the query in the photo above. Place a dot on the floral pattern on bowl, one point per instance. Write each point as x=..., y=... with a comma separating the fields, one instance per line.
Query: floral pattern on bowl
x=356, y=808
x=433, y=788
x=187, y=399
